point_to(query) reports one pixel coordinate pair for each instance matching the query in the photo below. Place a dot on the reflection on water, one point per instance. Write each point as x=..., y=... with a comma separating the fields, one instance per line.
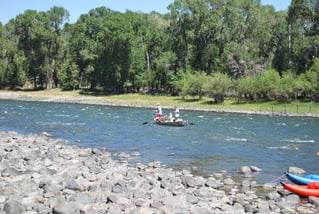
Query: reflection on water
x=214, y=143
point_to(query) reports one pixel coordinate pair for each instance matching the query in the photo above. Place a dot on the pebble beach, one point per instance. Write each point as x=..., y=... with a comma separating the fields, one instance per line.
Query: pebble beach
x=41, y=174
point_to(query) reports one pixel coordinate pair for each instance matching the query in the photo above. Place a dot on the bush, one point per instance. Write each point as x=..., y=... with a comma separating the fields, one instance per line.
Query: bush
x=217, y=85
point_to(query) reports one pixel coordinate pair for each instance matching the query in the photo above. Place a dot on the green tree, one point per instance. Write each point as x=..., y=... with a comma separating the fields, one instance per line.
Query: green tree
x=268, y=84
x=192, y=83
x=280, y=43
x=69, y=77
x=54, y=20
x=288, y=87
x=309, y=82
x=217, y=86
x=14, y=63
x=25, y=28
x=164, y=64
x=303, y=36
x=246, y=87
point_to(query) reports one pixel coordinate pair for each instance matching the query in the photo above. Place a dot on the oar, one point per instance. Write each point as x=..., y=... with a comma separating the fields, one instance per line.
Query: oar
x=145, y=123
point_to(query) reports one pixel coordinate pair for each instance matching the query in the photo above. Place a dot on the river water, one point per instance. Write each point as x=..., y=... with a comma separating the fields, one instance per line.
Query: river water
x=215, y=142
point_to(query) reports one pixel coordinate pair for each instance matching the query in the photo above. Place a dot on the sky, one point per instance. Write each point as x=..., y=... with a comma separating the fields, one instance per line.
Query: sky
x=11, y=8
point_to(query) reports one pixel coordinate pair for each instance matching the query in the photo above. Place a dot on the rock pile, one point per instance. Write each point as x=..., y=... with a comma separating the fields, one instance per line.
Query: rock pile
x=40, y=174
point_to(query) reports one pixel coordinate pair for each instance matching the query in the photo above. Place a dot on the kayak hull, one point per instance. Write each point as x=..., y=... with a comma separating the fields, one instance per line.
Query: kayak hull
x=302, y=180
x=303, y=191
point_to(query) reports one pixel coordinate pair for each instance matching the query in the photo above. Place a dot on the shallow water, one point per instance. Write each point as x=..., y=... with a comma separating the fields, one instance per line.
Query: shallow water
x=216, y=141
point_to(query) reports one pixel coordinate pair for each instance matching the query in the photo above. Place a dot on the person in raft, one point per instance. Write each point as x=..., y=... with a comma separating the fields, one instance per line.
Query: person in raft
x=176, y=113
x=158, y=112
x=170, y=117
x=317, y=154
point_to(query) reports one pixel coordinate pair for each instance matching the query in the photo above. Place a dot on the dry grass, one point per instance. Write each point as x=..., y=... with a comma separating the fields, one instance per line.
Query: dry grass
x=145, y=100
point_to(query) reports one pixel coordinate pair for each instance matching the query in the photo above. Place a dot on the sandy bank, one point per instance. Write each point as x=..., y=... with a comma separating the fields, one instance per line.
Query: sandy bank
x=95, y=100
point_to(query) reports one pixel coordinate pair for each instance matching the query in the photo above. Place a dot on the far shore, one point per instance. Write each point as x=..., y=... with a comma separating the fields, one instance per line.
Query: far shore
x=69, y=97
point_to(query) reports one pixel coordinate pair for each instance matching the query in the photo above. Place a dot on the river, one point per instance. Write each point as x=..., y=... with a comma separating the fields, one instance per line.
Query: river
x=213, y=143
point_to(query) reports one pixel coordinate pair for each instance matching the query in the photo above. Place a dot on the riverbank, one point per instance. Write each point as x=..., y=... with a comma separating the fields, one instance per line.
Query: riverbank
x=41, y=174
x=147, y=101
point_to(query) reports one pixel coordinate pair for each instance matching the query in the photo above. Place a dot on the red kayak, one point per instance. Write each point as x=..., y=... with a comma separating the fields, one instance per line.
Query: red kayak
x=312, y=189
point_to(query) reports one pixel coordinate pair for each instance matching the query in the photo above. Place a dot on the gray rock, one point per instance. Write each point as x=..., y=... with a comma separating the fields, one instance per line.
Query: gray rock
x=314, y=201
x=112, y=198
x=142, y=210
x=229, y=181
x=114, y=209
x=9, y=171
x=71, y=184
x=192, y=199
x=124, y=155
x=306, y=210
x=216, y=184
x=48, y=187
x=245, y=170
x=269, y=186
x=118, y=188
x=140, y=202
x=296, y=170
x=255, y=169
x=156, y=204
x=81, y=198
x=67, y=208
x=263, y=207
x=274, y=196
x=293, y=199
x=250, y=208
x=188, y=181
x=175, y=201
x=13, y=207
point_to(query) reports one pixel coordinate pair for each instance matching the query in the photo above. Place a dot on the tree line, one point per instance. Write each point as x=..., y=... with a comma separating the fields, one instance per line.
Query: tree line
x=214, y=48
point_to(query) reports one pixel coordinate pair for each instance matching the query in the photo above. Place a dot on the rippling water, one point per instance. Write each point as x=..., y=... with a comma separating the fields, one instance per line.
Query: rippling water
x=215, y=142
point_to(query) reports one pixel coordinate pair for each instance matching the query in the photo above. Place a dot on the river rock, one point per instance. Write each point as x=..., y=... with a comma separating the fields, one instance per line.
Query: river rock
x=245, y=170
x=296, y=170
x=9, y=171
x=314, y=201
x=67, y=208
x=255, y=169
x=13, y=207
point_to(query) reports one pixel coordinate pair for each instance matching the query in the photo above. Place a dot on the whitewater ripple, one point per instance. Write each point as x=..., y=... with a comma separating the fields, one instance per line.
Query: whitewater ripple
x=296, y=140
x=236, y=139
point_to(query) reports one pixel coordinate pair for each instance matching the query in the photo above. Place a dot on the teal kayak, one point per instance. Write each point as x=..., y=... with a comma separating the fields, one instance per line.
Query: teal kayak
x=300, y=180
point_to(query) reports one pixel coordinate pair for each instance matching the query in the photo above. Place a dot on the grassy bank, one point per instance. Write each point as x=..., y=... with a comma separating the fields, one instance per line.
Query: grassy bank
x=296, y=107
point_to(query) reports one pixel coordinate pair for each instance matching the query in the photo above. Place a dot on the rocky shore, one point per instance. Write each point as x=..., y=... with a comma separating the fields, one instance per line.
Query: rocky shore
x=41, y=174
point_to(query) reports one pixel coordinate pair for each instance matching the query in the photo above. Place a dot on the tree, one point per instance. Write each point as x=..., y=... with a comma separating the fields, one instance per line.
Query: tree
x=288, y=87
x=309, y=82
x=25, y=28
x=246, y=87
x=280, y=43
x=217, y=86
x=164, y=64
x=304, y=42
x=55, y=18
x=192, y=83
x=69, y=77
x=269, y=84
x=13, y=61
